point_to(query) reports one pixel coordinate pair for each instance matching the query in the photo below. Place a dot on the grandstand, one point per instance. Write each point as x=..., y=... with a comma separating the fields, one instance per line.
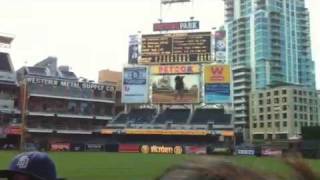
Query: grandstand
x=60, y=107
x=9, y=94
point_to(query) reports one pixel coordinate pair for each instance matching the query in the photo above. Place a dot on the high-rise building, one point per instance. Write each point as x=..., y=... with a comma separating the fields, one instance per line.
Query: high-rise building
x=268, y=43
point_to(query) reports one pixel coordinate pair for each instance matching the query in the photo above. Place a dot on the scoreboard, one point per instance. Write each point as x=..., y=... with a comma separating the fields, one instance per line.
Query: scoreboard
x=176, y=48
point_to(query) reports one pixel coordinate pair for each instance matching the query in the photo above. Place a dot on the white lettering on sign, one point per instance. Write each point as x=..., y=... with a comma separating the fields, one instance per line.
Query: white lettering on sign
x=73, y=84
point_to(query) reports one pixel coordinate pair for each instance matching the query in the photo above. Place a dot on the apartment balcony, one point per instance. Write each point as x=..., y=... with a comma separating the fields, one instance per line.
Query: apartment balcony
x=241, y=87
x=242, y=80
x=240, y=101
x=237, y=74
x=241, y=108
x=241, y=94
x=241, y=115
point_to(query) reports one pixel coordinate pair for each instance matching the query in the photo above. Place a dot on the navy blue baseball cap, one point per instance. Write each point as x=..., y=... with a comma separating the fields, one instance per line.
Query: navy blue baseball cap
x=36, y=165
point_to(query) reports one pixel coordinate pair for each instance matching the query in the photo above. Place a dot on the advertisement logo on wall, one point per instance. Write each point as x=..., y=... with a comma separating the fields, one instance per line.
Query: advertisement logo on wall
x=135, y=85
x=217, y=84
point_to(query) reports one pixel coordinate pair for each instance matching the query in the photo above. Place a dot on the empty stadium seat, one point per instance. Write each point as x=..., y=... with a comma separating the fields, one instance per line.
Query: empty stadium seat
x=176, y=116
x=137, y=116
x=217, y=116
x=121, y=119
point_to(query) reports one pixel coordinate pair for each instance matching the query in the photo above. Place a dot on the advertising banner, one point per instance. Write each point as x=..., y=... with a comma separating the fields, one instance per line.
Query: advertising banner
x=2, y=133
x=77, y=147
x=195, y=149
x=135, y=85
x=175, y=89
x=174, y=26
x=129, y=148
x=133, y=49
x=94, y=147
x=217, y=84
x=167, y=132
x=271, y=152
x=60, y=147
x=220, y=46
x=13, y=130
x=154, y=149
x=175, y=69
x=245, y=151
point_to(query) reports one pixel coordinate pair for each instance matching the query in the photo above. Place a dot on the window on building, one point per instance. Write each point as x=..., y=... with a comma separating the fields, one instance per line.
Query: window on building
x=276, y=93
x=295, y=107
x=260, y=102
x=269, y=124
x=294, y=91
x=261, y=125
x=261, y=110
x=276, y=116
x=304, y=93
x=268, y=94
x=276, y=100
x=305, y=108
x=260, y=95
x=300, y=92
x=284, y=107
x=311, y=109
x=311, y=117
x=268, y=101
x=284, y=91
x=261, y=118
x=254, y=118
x=254, y=125
x=269, y=116
x=277, y=124
x=284, y=115
x=305, y=116
x=301, y=116
x=310, y=101
x=300, y=100
x=295, y=99
x=301, y=108
x=310, y=93
x=269, y=109
x=284, y=123
x=295, y=115
x=284, y=99
x=295, y=124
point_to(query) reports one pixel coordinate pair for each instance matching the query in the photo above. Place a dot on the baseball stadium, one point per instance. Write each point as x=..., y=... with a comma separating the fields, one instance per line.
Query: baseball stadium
x=172, y=102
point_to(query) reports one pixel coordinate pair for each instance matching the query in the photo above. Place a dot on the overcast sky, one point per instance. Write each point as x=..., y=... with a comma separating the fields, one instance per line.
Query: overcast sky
x=90, y=35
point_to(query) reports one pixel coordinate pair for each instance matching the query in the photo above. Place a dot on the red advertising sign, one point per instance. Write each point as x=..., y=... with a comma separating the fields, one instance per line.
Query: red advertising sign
x=196, y=150
x=171, y=26
x=129, y=148
x=60, y=147
x=13, y=130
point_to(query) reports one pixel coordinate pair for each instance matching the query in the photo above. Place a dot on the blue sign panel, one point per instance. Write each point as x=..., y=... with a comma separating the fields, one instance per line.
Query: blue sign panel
x=217, y=93
x=135, y=85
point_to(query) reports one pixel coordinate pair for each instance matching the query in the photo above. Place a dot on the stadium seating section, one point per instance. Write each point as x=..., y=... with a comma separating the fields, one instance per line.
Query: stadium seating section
x=138, y=116
x=174, y=116
x=215, y=116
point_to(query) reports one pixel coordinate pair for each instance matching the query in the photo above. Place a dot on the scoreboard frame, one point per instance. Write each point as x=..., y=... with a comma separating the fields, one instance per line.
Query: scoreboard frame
x=175, y=48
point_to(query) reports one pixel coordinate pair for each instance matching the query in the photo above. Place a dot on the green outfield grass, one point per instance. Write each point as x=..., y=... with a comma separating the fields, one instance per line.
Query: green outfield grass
x=119, y=166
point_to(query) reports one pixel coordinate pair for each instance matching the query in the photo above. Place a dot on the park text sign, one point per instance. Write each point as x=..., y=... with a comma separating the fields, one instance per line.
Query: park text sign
x=175, y=26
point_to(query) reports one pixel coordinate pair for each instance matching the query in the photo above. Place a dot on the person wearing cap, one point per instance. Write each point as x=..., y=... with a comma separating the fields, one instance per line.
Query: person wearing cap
x=30, y=166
